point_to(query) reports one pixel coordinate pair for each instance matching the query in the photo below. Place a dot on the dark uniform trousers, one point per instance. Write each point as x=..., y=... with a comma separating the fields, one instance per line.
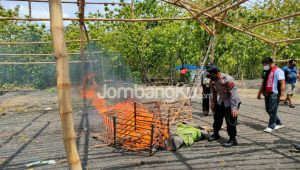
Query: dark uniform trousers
x=205, y=99
x=220, y=112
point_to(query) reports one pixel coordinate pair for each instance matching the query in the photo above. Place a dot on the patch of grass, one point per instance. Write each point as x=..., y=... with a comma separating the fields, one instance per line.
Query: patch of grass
x=51, y=89
x=6, y=87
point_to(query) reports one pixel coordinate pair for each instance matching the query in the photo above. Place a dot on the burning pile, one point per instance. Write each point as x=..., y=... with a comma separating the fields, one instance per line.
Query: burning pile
x=130, y=124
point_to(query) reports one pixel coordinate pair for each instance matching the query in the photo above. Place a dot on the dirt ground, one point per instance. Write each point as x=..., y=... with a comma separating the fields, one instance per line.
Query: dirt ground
x=28, y=134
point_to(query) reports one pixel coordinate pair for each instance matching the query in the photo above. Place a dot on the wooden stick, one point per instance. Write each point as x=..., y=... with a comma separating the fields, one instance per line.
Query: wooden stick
x=41, y=55
x=29, y=9
x=100, y=19
x=47, y=42
x=211, y=8
x=226, y=24
x=286, y=60
x=132, y=9
x=63, y=84
x=288, y=40
x=205, y=27
x=230, y=7
x=73, y=2
x=41, y=62
x=273, y=20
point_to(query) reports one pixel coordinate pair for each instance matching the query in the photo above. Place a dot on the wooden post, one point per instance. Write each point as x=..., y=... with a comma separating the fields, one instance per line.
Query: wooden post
x=151, y=140
x=115, y=130
x=63, y=84
x=134, y=107
x=274, y=52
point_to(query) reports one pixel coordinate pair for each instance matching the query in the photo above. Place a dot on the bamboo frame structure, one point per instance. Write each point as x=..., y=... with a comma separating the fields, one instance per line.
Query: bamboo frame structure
x=45, y=42
x=40, y=62
x=230, y=7
x=61, y=55
x=73, y=2
x=273, y=20
x=100, y=19
x=63, y=84
x=42, y=55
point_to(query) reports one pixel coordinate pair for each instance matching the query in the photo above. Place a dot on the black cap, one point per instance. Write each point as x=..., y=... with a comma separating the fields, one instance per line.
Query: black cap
x=213, y=69
x=267, y=60
x=292, y=61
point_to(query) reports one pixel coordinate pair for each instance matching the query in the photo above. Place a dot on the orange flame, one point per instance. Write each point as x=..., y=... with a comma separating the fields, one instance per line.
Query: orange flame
x=137, y=127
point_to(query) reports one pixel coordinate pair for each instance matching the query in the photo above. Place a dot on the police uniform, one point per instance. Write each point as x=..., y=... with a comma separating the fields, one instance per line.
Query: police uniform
x=226, y=100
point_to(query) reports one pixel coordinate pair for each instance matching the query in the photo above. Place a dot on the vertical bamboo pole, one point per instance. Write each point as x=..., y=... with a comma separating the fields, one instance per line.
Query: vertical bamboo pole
x=29, y=9
x=274, y=52
x=132, y=8
x=134, y=108
x=63, y=84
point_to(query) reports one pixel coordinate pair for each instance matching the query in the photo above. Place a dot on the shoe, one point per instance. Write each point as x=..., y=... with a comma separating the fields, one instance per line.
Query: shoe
x=268, y=130
x=292, y=106
x=297, y=146
x=285, y=103
x=279, y=126
x=214, y=137
x=230, y=143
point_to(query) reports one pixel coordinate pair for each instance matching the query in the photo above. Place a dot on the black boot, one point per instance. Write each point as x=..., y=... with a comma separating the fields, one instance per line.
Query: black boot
x=213, y=137
x=230, y=143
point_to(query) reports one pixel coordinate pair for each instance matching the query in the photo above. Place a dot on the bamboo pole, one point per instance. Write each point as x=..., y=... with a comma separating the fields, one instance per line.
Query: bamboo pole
x=45, y=42
x=277, y=61
x=40, y=55
x=230, y=7
x=39, y=62
x=211, y=8
x=205, y=27
x=273, y=20
x=73, y=2
x=288, y=40
x=224, y=23
x=63, y=84
x=101, y=19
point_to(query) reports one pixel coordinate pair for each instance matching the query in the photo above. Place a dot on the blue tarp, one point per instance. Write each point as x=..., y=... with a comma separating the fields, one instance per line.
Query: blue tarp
x=190, y=67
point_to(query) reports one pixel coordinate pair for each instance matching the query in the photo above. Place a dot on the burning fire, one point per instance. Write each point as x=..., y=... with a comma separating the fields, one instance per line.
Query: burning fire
x=136, y=127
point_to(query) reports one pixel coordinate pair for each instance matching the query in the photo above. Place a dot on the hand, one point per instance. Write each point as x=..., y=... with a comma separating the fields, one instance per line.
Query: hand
x=259, y=95
x=282, y=98
x=234, y=113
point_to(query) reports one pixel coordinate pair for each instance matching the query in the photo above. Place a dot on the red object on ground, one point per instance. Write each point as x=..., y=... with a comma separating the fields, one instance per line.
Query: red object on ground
x=184, y=71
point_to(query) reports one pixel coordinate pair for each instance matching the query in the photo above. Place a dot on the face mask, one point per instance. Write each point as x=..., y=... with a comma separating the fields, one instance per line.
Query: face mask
x=267, y=67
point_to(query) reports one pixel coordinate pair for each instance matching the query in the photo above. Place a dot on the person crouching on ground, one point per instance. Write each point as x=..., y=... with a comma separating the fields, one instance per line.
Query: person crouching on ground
x=273, y=88
x=224, y=103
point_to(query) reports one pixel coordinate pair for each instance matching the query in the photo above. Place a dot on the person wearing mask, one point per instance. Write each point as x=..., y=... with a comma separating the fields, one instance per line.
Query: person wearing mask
x=290, y=72
x=273, y=89
x=225, y=102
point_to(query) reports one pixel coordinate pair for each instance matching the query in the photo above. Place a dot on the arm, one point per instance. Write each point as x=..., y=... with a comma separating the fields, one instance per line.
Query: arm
x=260, y=90
x=234, y=100
x=214, y=96
x=282, y=90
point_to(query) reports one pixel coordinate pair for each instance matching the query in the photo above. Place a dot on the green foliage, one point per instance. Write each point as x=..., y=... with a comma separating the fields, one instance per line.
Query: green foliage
x=6, y=87
x=153, y=49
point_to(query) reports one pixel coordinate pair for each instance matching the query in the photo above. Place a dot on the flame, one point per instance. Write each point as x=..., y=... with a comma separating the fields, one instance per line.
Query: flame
x=137, y=127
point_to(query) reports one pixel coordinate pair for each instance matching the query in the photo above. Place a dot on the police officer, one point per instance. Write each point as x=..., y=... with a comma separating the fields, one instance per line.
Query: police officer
x=225, y=102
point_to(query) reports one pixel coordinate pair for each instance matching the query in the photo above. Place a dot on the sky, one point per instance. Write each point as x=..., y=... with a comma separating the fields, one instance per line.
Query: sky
x=41, y=10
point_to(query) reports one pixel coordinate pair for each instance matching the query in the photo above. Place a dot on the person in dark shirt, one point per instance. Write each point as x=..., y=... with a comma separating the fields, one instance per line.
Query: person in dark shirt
x=225, y=102
x=273, y=88
x=290, y=72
